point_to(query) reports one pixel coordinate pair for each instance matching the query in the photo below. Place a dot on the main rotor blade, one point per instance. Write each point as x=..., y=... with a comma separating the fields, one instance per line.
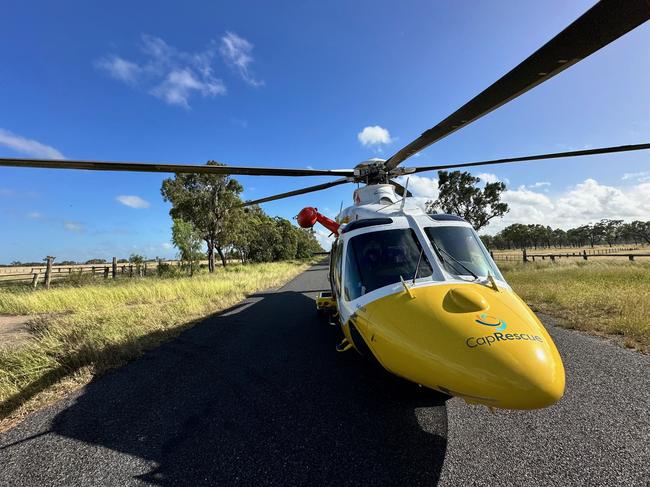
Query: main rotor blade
x=399, y=189
x=601, y=24
x=170, y=168
x=296, y=192
x=554, y=155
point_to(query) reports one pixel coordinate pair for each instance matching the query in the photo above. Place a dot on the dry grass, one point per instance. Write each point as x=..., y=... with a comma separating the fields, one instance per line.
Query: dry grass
x=80, y=332
x=604, y=297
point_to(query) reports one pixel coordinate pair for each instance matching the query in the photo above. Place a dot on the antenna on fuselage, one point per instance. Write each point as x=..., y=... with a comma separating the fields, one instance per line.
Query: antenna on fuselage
x=406, y=189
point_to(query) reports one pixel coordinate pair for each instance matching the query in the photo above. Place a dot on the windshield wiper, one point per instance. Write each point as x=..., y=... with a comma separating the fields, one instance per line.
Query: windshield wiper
x=454, y=259
x=417, y=267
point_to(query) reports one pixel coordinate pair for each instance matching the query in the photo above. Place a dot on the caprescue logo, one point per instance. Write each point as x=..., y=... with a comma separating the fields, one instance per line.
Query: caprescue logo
x=473, y=342
x=487, y=320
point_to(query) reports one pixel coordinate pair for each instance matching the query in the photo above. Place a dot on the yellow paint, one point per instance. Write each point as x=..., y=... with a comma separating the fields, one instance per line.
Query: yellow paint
x=435, y=340
x=325, y=302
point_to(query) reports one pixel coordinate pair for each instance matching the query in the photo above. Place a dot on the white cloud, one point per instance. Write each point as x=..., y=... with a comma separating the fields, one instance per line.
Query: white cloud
x=374, y=136
x=133, y=201
x=29, y=147
x=166, y=246
x=539, y=184
x=35, y=215
x=168, y=73
x=73, y=226
x=179, y=85
x=420, y=186
x=323, y=238
x=120, y=69
x=641, y=176
x=585, y=202
x=237, y=52
x=487, y=177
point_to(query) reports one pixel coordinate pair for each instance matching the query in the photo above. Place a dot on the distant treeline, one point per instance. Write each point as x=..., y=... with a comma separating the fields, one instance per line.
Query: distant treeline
x=257, y=237
x=610, y=232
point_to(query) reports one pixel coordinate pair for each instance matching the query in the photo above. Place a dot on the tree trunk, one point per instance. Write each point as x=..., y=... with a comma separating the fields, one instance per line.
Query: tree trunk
x=210, y=255
x=223, y=257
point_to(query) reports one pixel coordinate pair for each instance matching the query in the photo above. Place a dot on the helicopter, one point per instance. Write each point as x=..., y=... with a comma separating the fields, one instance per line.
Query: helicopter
x=418, y=292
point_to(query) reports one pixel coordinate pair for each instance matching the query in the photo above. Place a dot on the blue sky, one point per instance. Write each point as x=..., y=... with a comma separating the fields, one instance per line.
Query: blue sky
x=293, y=84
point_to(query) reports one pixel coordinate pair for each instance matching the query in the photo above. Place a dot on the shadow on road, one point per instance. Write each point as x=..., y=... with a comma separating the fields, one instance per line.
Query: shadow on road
x=258, y=396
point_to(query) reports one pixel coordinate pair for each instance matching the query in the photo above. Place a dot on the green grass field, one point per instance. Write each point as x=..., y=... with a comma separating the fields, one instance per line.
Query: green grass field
x=604, y=297
x=82, y=331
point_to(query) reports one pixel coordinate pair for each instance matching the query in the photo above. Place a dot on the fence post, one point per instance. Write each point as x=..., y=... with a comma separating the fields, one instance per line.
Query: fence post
x=552, y=258
x=106, y=272
x=584, y=254
x=93, y=270
x=524, y=255
x=35, y=280
x=130, y=270
x=114, y=267
x=145, y=270
x=48, y=271
x=631, y=257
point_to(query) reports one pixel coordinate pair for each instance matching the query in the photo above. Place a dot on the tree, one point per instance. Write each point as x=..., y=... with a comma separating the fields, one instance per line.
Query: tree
x=559, y=237
x=640, y=230
x=609, y=230
x=307, y=244
x=136, y=259
x=460, y=195
x=187, y=240
x=208, y=201
x=287, y=245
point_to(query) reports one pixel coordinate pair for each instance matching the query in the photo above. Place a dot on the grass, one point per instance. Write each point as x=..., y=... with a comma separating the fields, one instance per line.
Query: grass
x=80, y=332
x=604, y=297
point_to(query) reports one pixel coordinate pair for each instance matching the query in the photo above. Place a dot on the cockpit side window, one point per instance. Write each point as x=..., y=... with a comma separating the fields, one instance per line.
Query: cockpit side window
x=353, y=287
x=378, y=259
x=336, y=252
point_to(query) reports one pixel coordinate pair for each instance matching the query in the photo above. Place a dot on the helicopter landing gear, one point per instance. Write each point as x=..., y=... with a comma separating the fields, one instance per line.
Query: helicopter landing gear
x=344, y=346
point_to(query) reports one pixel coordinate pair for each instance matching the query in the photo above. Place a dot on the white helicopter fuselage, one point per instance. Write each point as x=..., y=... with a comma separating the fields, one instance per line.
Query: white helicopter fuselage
x=406, y=295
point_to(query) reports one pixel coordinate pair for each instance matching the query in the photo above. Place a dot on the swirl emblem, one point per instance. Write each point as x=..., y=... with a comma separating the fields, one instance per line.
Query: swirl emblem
x=487, y=320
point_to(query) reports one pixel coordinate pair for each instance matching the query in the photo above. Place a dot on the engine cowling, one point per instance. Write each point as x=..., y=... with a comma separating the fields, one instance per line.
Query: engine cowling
x=309, y=215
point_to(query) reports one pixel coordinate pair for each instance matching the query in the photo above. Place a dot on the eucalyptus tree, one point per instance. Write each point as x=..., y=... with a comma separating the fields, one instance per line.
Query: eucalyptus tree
x=208, y=201
x=460, y=194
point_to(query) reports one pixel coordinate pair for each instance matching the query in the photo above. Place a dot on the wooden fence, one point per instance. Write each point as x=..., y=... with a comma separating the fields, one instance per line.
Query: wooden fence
x=584, y=254
x=49, y=272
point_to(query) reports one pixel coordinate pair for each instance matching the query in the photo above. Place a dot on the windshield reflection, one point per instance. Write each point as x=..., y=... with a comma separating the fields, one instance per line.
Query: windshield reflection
x=463, y=245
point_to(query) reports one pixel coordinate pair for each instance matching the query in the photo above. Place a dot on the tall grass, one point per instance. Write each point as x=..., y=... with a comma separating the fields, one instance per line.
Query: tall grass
x=605, y=296
x=96, y=327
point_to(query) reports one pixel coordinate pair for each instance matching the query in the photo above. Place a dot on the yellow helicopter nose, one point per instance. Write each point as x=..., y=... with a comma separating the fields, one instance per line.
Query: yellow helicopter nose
x=467, y=340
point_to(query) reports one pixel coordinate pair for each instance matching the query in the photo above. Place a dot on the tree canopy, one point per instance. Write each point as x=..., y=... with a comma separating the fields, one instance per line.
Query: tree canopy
x=208, y=206
x=187, y=240
x=210, y=203
x=460, y=195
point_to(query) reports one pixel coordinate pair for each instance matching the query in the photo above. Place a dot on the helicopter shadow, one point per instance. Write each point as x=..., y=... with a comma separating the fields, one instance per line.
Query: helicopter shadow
x=257, y=396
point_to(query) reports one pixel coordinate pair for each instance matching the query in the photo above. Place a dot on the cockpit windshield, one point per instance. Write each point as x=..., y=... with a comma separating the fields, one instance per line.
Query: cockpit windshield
x=461, y=251
x=377, y=259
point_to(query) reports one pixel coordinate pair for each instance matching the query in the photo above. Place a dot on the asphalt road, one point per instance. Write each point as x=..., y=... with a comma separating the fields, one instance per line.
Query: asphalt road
x=257, y=396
